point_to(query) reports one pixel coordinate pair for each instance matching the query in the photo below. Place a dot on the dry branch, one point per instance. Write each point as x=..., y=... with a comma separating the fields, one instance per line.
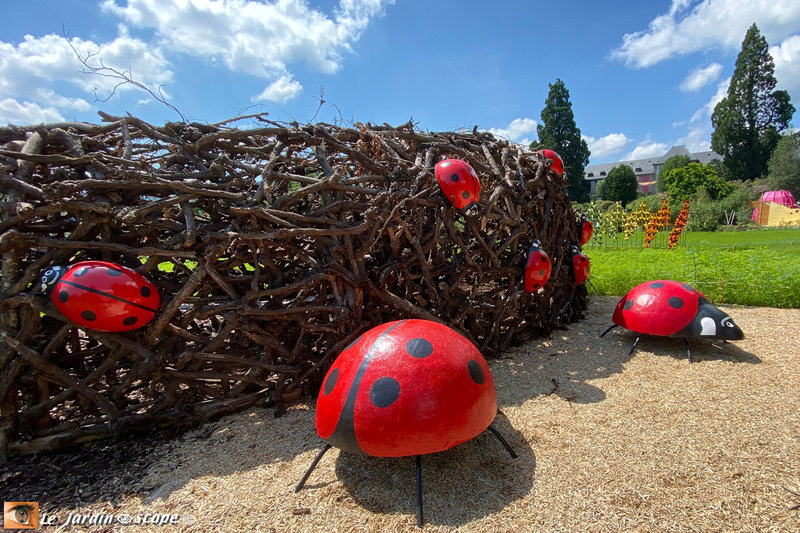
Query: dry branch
x=272, y=249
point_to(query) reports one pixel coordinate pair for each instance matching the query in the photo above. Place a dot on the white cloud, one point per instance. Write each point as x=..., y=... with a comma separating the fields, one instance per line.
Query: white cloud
x=516, y=130
x=700, y=77
x=710, y=23
x=281, y=90
x=257, y=38
x=647, y=149
x=698, y=139
x=605, y=146
x=15, y=112
x=787, y=63
x=706, y=111
x=35, y=66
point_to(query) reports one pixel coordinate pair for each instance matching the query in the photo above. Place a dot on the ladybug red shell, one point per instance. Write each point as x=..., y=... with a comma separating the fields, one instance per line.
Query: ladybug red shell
x=557, y=164
x=459, y=182
x=102, y=296
x=669, y=308
x=408, y=387
x=537, y=268
x=580, y=265
x=585, y=229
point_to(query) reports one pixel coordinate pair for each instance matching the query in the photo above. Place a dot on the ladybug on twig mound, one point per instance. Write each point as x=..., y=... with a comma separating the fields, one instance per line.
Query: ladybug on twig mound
x=404, y=388
x=668, y=308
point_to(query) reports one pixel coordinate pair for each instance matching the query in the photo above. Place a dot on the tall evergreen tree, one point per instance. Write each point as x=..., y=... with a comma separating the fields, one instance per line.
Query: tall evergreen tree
x=748, y=121
x=784, y=165
x=558, y=132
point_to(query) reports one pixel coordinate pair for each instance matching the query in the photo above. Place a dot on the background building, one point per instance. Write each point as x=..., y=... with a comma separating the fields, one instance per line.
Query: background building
x=646, y=170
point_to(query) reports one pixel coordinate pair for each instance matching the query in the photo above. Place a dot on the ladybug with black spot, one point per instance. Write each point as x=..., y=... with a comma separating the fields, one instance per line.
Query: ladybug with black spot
x=102, y=296
x=537, y=268
x=556, y=163
x=585, y=229
x=581, y=267
x=458, y=182
x=668, y=308
x=409, y=387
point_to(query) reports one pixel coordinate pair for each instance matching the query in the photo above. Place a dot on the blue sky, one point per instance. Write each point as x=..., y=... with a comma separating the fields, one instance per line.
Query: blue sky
x=642, y=76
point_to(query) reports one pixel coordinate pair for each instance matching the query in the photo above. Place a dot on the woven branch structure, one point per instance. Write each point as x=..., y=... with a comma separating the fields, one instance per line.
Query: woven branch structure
x=273, y=247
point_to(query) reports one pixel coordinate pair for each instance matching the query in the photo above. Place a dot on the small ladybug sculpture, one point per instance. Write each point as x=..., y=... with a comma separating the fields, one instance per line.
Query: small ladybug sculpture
x=580, y=265
x=557, y=164
x=585, y=229
x=537, y=268
x=102, y=296
x=668, y=308
x=408, y=387
x=459, y=182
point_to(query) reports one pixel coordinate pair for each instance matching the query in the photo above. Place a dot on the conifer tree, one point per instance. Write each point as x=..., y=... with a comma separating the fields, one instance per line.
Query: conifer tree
x=748, y=121
x=558, y=132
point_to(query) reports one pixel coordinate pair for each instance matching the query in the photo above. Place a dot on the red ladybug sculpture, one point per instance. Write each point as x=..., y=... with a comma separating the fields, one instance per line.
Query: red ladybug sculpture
x=580, y=265
x=409, y=387
x=557, y=164
x=537, y=268
x=459, y=182
x=668, y=308
x=585, y=229
x=102, y=296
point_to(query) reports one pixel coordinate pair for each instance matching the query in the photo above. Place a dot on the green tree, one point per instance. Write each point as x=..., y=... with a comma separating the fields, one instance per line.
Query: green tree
x=784, y=165
x=748, y=121
x=558, y=132
x=620, y=185
x=684, y=182
x=676, y=161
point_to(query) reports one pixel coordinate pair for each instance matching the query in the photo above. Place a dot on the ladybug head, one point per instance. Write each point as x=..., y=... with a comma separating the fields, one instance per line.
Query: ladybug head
x=716, y=324
x=537, y=244
x=51, y=277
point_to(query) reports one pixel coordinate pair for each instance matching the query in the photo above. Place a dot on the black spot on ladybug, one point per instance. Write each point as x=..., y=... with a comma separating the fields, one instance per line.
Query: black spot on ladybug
x=475, y=371
x=544, y=260
x=81, y=272
x=131, y=320
x=114, y=272
x=656, y=285
x=63, y=296
x=675, y=302
x=689, y=287
x=454, y=178
x=628, y=305
x=384, y=392
x=88, y=315
x=419, y=348
x=145, y=291
x=541, y=272
x=465, y=194
x=330, y=383
x=536, y=285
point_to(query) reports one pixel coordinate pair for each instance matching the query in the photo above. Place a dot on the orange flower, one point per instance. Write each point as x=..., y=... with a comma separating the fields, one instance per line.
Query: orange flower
x=680, y=223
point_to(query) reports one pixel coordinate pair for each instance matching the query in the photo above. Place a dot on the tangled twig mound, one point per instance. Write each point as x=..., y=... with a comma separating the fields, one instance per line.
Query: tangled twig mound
x=272, y=247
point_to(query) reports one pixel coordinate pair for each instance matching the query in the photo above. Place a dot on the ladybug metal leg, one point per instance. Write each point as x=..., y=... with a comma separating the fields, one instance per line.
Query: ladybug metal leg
x=419, y=492
x=634, y=345
x=688, y=351
x=592, y=285
x=312, y=467
x=503, y=441
x=609, y=329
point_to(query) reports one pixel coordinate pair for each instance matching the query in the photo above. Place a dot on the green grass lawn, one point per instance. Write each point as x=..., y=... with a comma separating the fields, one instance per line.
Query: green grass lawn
x=746, y=267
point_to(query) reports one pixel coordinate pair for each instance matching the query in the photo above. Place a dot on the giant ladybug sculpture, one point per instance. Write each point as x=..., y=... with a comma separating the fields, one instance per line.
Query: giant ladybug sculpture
x=668, y=308
x=537, y=268
x=102, y=296
x=459, y=182
x=581, y=267
x=556, y=163
x=585, y=229
x=409, y=387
